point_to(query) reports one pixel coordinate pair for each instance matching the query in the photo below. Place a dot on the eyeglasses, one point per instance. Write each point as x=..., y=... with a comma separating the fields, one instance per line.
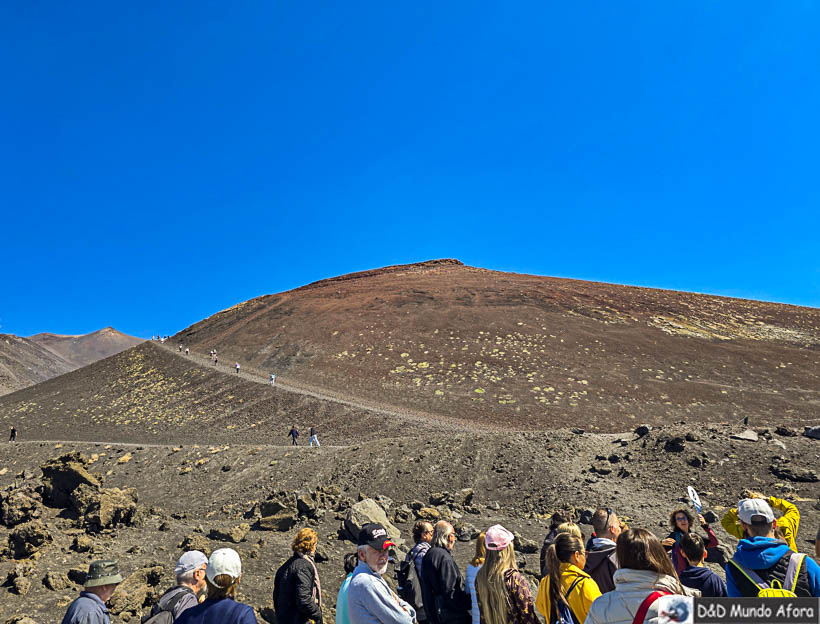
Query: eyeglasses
x=681, y=518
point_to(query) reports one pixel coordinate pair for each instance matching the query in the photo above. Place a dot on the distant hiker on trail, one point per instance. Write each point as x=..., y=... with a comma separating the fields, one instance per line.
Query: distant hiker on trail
x=180, y=348
x=294, y=433
x=187, y=351
x=216, y=360
x=761, y=558
x=313, y=437
x=236, y=366
x=272, y=379
x=13, y=435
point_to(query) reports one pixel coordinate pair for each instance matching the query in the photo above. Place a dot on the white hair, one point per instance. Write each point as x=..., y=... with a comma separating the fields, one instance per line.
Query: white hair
x=186, y=578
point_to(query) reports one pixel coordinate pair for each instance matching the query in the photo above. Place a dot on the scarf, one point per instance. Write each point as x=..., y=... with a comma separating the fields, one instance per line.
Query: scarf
x=317, y=586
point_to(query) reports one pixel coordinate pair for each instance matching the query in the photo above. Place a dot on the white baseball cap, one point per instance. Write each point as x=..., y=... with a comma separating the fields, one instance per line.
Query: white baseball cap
x=224, y=561
x=750, y=508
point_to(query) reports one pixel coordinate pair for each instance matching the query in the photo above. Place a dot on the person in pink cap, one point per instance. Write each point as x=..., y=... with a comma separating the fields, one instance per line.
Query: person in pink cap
x=502, y=592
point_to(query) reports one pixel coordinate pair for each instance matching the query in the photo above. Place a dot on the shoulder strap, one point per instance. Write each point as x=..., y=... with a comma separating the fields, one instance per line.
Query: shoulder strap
x=750, y=574
x=577, y=580
x=640, y=616
x=795, y=561
x=169, y=606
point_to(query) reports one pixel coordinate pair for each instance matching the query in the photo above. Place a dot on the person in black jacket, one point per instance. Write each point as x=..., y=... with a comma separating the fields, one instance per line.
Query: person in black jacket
x=442, y=587
x=297, y=592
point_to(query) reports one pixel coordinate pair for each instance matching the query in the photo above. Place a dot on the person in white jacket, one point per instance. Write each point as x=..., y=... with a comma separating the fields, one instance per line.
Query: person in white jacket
x=644, y=569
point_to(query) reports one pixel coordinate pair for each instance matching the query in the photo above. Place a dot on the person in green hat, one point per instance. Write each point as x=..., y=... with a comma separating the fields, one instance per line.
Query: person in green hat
x=100, y=582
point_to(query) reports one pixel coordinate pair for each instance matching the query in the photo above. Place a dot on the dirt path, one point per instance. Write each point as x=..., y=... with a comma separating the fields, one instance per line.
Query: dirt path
x=250, y=374
x=189, y=445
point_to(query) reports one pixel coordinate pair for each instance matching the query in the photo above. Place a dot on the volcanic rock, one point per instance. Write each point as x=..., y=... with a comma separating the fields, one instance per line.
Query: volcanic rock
x=27, y=539
x=812, y=432
x=235, y=534
x=18, y=506
x=465, y=531
x=675, y=445
x=196, y=542
x=749, y=435
x=106, y=508
x=282, y=521
x=601, y=467
x=365, y=512
x=82, y=543
x=428, y=513
x=524, y=545
x=139, y=590
x=56, y=582
x=783, y=469
x=20, y=619
x=642, y=430
x=787, y=432
x=306, y=505
x=63, y=475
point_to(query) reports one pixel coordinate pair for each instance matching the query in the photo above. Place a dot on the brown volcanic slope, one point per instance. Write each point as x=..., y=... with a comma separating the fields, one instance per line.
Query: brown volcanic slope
x=523, y=351
x=85, y=349
x=24, y=363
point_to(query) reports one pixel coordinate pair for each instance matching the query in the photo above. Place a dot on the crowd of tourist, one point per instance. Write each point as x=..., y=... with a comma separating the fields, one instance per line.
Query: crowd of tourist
x=616, y=576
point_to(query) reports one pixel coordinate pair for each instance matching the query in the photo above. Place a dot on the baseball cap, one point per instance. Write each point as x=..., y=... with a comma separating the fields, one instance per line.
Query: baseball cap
x=754, y=511
x=224, y=561
x=375, y=536
x=497, y=538
x=190, y=560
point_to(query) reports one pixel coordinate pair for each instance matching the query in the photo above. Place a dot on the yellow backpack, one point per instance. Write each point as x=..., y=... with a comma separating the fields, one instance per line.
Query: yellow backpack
x=775, y=589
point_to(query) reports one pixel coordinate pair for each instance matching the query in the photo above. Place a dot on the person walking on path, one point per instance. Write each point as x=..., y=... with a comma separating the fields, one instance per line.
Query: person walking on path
x=187, y=351
x=294, y=433
x=272, y=379
x=12, y=434
x=236, y=366
x=313, y=437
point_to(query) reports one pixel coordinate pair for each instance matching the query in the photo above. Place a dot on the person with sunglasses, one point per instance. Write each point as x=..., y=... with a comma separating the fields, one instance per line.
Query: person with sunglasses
x=565, y=582
x=681, y=521
x=601, y=560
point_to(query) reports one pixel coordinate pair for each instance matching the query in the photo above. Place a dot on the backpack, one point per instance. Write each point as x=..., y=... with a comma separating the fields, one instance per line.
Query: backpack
x=775, y=588
x=409, y=585
x=564, y=614
x=164, y=615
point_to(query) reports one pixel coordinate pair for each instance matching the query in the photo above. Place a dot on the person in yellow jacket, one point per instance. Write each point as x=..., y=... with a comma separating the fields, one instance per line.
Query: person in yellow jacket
x=788, y=523
x=566, y=580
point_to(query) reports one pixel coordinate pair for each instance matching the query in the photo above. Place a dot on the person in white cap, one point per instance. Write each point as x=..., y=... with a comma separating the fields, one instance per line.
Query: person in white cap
x=190, y=578
x=761, y=558
x=222, y=576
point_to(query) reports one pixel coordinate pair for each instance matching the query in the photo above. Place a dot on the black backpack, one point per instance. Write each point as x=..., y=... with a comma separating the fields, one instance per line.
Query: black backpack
x=409, y=584
x=165, y=615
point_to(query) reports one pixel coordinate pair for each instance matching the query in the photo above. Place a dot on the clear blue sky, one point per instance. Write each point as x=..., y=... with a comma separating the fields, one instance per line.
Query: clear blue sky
x=164, y=160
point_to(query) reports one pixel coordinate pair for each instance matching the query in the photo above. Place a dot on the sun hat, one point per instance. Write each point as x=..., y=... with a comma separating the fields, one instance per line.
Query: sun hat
x=224, y=561
x=190, y=560
x=497, y=538
x=750, y=508
x=375, y=536
x=103, y=572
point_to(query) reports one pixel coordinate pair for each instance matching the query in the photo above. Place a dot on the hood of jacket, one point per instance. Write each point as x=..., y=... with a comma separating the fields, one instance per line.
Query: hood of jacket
x=627, y=580
x=597, y=557
x=758, y=553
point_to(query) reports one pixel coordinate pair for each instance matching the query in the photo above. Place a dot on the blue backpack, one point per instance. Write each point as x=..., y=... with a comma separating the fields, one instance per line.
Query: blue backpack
x=564, y=613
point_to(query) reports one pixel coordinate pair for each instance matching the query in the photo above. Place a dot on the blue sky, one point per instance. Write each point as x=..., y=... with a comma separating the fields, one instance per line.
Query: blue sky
x=163, y=161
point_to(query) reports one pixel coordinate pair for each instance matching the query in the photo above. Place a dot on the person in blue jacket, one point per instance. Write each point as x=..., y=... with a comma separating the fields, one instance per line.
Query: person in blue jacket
x=222, y=577
x=767, y=556
x=695, y=574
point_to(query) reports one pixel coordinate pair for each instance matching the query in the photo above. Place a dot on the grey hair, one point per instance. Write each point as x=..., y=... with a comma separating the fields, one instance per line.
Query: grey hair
x=186, y=578
x=362, y=549
x=441, y=534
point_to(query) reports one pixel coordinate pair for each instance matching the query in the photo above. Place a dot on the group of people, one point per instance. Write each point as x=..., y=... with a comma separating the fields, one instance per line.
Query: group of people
x=293, y=434
x=614, y=577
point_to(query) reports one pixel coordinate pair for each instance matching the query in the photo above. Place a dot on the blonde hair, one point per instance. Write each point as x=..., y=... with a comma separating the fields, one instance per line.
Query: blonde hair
x=571, y=528
x=305, y=541
x=480, y=550
x=223, y=586
x=493, y=598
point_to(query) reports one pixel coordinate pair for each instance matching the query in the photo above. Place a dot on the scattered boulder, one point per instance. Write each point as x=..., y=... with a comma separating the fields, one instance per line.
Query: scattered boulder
x=601, y=467
x=63, y=475
x=27, y=539
x=465, y=531
x=695, y=462
x=82, y=543
x=281, y=521
x=523, y=545
x=365, y=512
x=675, y=445
x=139, y=590
x=439, y=498
x=56, y=582
x=750, y=435
x=306, y=505
x=272, y=507
x=812, y=432
x=464, y=497
x=18, y=506
x=105, y=508
x=20, y=619
x=235, y=534
x=196, y=541
x=428, y=513
x=787, y=432
x=586, y=517
x=782, y=468
x=642, y=430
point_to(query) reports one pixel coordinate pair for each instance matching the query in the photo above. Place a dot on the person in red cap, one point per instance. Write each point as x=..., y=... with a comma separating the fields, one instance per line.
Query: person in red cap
x=369, y=599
